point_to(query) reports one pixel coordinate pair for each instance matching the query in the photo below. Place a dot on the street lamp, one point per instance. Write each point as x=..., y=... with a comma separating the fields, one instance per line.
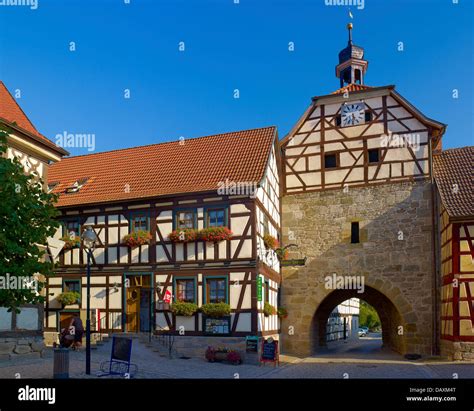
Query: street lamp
x=89, y=238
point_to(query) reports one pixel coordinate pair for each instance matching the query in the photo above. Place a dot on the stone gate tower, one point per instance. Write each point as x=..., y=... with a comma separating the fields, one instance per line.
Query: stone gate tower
x=358, y=202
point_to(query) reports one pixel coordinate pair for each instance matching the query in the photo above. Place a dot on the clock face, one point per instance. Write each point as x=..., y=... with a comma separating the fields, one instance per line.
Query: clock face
x=352, y=114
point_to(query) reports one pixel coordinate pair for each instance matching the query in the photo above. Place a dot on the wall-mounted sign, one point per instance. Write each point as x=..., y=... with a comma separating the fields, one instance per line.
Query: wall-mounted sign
x=216, y=326
x=270, y=351
x=293, y=262
x=259, y=288
x=251, y=343
x=167, y=297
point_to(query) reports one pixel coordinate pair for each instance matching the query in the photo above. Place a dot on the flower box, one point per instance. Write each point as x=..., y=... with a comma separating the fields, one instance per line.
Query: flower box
x=215, y=234
x=71, y=242
x=68, y=298
x=216, y=310
x=223, y=354
x=184, y=309
x=183, y=236
x=137, y=238
x=282, y=312
x=268, y=309
x=270, y=242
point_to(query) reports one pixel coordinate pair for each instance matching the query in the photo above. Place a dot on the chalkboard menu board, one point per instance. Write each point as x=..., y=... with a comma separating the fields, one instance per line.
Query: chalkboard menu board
x=251, y=343
x=216, y=326
x=269, y=351
x=121, y=349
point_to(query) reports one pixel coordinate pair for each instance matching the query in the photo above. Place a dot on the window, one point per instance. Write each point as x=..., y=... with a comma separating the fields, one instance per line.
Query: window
x=374, y=155
x=216, y=218
x=264, y=224
x=185, y=219
x=338, y=120
x=72, y=228
x=368, y=116
x=185, y=290
x=216, y=290
x=72, y=285
x=139, y=222
x=74, y=188
x=52, y=186
x=355, y=232
x=330, y=161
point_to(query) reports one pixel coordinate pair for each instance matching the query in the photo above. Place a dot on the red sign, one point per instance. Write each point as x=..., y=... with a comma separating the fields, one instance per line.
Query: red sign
x=167, y=297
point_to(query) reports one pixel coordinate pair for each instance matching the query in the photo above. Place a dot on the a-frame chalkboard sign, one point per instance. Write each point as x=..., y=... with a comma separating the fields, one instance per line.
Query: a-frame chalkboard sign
x=269, y=352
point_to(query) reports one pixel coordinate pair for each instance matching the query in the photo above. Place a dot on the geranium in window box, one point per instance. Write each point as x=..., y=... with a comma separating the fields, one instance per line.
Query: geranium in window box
x=184, y=235
x=215, y=234
x=270, y=242
x=68, y=298
x=282, y=253
x=216, y=310
x=268, y=309
x=71, y=242
x=184, y=309
x=137, y=238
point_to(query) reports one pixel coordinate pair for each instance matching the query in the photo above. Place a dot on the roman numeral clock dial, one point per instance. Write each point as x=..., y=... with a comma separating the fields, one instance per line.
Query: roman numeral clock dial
x=352, y=114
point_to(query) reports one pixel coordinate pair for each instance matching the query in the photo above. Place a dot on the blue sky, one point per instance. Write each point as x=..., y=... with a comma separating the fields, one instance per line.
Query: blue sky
x=227, y=46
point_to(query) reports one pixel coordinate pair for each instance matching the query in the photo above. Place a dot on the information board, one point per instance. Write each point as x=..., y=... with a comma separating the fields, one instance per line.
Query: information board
x=121, y=349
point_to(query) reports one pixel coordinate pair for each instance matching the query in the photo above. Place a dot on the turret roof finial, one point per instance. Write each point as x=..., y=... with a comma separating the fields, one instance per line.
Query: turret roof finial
x=349, y=27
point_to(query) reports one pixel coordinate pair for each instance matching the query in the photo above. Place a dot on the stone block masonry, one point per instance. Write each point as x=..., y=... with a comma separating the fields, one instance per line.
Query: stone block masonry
x=394, y=259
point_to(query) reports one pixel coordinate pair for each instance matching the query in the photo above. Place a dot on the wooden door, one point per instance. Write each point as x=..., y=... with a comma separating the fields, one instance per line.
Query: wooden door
x=133, y=309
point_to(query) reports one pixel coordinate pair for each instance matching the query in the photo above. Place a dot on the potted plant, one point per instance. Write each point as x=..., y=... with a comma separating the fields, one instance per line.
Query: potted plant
x=184, y=235
x=268, y=309
x=71, y=242
x=270, y=242
x=137, y=238
x=282, y=253
x=68, y=298
x=282, y=312
x=216, y=310
x=234, y=358
x=215, y=234
x=184, y=309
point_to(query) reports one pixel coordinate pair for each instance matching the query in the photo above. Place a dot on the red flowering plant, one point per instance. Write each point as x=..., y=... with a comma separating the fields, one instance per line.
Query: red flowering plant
x=270, y=242
x=215, y=234
x=234, y=358
x=137, y=238
x=183, y=235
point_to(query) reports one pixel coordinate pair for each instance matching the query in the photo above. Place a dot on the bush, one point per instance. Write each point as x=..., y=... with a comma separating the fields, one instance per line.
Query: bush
x=268, y=309
x=183, y=308
x=215, y=234
x=183, y=235
x=68, y=297
x=137, y=238
x=216, y=310
x=270, y=242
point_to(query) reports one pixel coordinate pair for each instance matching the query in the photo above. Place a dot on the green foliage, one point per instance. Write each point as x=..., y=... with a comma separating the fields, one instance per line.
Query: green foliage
x=368, y=317
x=268, y=309
x=183, y=308
x=27, y=219
x=68, y=297
x=216, y=310
x=282, y=312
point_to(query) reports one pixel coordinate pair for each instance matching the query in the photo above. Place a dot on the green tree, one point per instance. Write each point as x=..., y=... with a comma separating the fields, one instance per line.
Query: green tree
x=368, y=316
x=27, y=219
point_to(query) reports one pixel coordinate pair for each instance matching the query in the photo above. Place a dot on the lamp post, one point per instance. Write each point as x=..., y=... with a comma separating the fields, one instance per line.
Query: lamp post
x=88, y=240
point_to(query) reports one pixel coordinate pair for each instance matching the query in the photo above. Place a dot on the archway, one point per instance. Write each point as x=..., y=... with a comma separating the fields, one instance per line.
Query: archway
x=390, y=317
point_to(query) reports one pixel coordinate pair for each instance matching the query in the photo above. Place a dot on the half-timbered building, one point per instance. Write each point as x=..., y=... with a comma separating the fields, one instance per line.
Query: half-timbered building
x=455, y=205
x=228, y=180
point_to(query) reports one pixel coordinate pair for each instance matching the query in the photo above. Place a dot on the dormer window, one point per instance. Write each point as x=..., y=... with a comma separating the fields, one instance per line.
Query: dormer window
x=76, y=186
x=52, y=186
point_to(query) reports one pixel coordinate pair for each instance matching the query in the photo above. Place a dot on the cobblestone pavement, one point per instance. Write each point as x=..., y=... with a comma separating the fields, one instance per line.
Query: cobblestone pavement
x=152, y=365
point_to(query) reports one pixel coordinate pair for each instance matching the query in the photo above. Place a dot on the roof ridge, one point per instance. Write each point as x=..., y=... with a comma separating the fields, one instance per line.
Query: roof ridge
x=452, y=149
x=168, y=142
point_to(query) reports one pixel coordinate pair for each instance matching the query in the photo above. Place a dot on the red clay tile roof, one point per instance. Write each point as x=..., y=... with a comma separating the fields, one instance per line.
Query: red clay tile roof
x=351, y=87
x=11, y=112
x=196, y=165
x=453, y=169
